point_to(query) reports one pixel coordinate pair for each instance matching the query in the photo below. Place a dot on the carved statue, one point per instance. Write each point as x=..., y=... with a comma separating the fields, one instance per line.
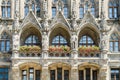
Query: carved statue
x=104, y=41
x=45, y=41
x=45, y=8
x=60, y=5
x=74, y=9
x=73, y=41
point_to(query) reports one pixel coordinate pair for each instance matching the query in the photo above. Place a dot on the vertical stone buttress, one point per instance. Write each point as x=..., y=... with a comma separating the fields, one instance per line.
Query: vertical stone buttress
x=74, y=73
x=45, y=73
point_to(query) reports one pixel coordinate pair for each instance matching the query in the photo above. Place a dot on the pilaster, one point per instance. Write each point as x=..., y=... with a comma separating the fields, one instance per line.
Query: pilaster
x=15, y=73
x=45, y=73
x=74, y=73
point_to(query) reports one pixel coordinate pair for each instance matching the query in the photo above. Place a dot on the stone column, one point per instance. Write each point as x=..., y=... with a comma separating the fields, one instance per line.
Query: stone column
x=15, y=73
x=74, y=73
x=45, y=73
x=91, y=74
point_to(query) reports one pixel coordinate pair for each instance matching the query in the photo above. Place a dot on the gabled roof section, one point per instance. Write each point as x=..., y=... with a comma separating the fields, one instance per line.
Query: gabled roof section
x=59, y=18
x=89, y=18
x=30, y=18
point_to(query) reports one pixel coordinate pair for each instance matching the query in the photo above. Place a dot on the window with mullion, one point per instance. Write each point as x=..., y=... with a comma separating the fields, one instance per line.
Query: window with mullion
x=3, y=73
x=114, y=43
x=59, y=40
x=32, y=40
x=113, y=9
x=31, y=74
x=115, y=74
x=3, y=11
x=5, y=45
x=86, y=41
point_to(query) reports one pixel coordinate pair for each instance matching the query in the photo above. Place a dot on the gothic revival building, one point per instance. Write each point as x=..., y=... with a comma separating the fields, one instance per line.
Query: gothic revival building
x=59, y=39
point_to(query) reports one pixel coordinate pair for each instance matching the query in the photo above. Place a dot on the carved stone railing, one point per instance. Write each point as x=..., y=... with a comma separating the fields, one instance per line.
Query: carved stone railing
x=97, y=54
x=30, y=54
x=59, y=54
x=5, y=57
x=114, y=55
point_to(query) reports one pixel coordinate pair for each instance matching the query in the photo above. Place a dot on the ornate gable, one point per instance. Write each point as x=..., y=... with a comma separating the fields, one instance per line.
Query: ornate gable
x=60, y=19
x=88, y=18
x=30, y=18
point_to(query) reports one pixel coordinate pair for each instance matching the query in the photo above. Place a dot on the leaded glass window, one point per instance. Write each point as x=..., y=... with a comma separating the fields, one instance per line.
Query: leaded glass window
x=86, y=41
x=115, y=74
x=31, y=74
x=6, y=9
x=113, y=8
x=32, y=40
x=5, y=42
x=114, y=43
x=35, y=7
x=85, y=4
x=59, y=40
x=3, y=73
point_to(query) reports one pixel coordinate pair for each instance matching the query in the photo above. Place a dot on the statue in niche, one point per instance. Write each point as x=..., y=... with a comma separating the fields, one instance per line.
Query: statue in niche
x=104, y=41
x=60, y=5
x=73, y=41
x=74, y=10
x=45, y=41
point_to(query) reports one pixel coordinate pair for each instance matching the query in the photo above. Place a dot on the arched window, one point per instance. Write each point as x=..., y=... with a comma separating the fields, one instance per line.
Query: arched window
x=32, y=40
x=86, y=41
x=114, y=43
x=59, y=40
x=35, y=7
x=85, y=4
x=6, y=9
x=5, y=42
x=113, y=8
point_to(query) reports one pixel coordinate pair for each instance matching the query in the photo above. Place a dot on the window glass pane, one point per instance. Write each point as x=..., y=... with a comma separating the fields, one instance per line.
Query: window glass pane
x=93, y=11
x=115, y=13
x=26, y=10
x=59, y=73
x=59, y=40
x=32, y=40
x=7, y=45
x=37, y=75
x=2, y=46
x=3, y=11
x=66, y=74
x=115, y=74
x=8, y=12
x=116, y=46
x=86, y=41
x=111, y=46
x=52, y=74
x=38, y=11
x=81, y=12
x=110, y=13
x=53, y=12
x=3, y=73
x=66, y=12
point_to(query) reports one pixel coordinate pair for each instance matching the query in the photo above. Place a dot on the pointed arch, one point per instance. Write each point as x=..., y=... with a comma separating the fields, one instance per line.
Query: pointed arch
x=90, y=31
x=30, y=31
x=60, y=30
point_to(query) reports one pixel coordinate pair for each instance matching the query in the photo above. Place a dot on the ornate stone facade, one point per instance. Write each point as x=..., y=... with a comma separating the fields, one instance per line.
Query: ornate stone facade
x=72, y=28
